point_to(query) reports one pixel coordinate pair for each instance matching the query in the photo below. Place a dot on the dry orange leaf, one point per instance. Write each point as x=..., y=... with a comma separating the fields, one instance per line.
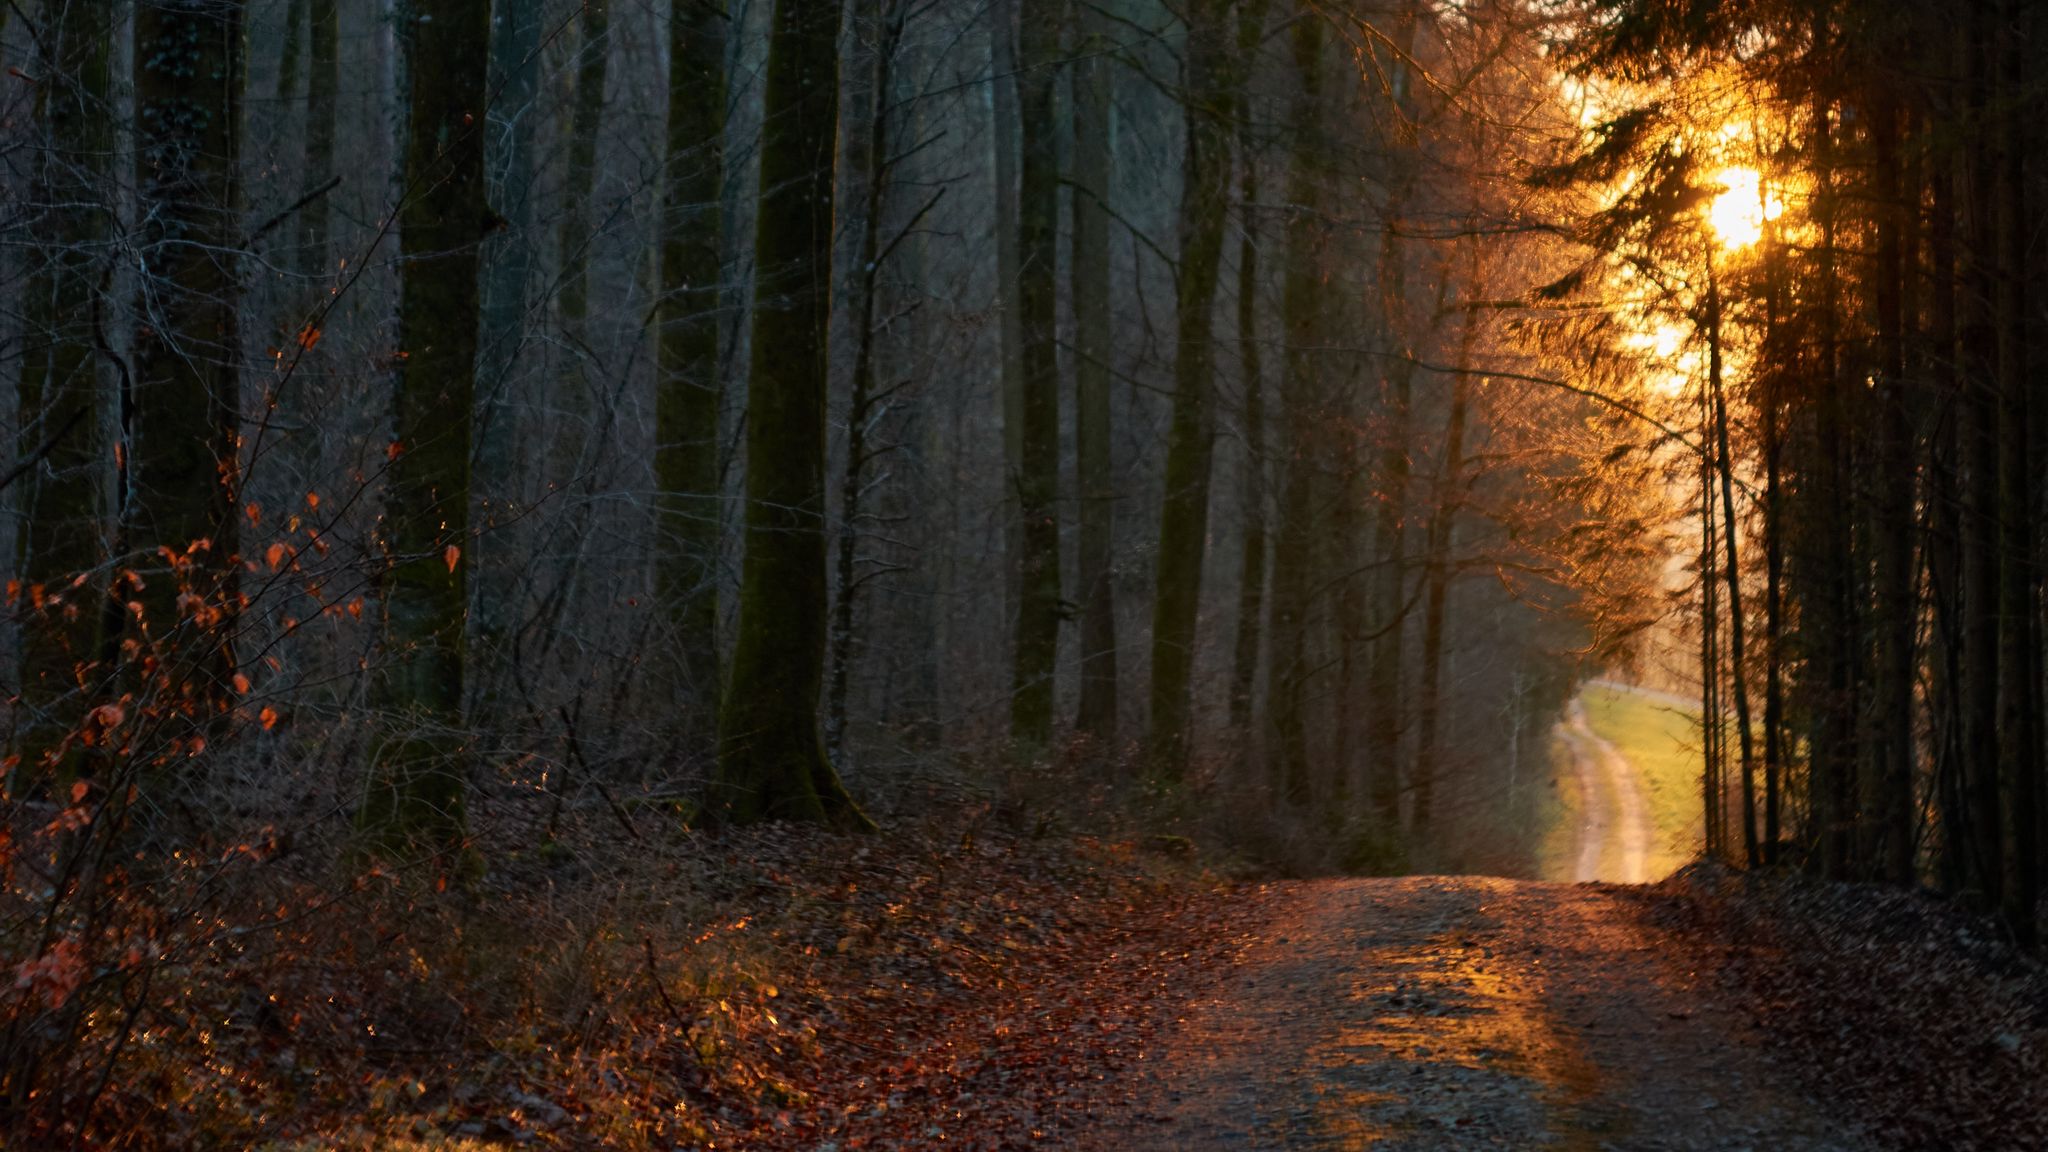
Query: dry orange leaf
x=451, y=554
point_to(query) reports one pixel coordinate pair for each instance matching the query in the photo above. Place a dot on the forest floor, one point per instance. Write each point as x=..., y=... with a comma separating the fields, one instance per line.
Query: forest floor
x=975, y=981
x=950, y=988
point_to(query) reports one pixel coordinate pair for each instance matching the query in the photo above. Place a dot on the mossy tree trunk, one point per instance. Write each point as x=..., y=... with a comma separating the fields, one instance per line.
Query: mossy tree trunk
x=687, y=393
x=771, y=750
x=181, y=416
x=63, y=495
x=1184, y=511
x=1094, y=480
x=1037, y=476
x=417, y=797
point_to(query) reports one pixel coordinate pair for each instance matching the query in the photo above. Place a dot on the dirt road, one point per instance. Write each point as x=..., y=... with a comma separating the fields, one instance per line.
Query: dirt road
x=1614, y=834
x=1450, y=1013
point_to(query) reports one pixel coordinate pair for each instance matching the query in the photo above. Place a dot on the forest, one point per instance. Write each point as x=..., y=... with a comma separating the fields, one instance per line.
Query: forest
x=805, y=573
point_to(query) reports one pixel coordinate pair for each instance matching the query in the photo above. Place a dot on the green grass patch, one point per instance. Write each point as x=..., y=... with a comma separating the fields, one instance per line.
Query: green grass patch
x=1559, y=810
x=1662, y=739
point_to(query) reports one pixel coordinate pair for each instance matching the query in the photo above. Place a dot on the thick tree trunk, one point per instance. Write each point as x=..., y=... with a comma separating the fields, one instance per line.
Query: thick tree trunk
x=418, y=797
x=1095, y=484
x=1184, y=511
x=771, y=750
x=1038, y=468
x=687, y=393
x=182, y=416
x=63, y=499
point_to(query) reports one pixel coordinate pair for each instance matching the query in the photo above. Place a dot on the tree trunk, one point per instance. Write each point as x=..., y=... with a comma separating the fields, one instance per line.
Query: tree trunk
x=861, y=413
x=1772, y=447
x=1252, y=499
x=2019, y=602
x=1450, y=494
x=1094, y=480
x=63, y=499
x=1738, y=667
x=418, y=797
x=1184, y=511
x=323, y=84
x=1037, y=476
x=1390, y=528
x=1301, y=317
x=515, y=80
x=1889, y=782
x=1979, y=459
x=182, y=416
x=1005, y=127
x=687, y=392
x=572, y=301
x=771, y=751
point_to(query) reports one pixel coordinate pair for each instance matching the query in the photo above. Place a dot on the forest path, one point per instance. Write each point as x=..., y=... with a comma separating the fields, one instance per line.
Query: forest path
x=1451, y=1013
x=1615, y=829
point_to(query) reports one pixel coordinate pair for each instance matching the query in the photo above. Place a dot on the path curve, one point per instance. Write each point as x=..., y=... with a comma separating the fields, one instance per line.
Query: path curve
x=1455, y=1013
x=1614, y=807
